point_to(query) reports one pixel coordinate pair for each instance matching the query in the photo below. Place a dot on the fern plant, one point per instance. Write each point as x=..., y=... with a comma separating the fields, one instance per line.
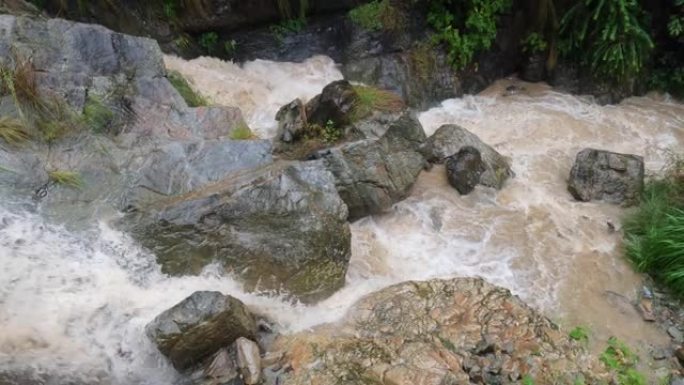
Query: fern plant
x=608, y=36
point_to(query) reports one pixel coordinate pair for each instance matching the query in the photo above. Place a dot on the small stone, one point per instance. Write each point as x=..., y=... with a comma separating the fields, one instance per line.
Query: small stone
x=249, y=360
x=676, y=334
x=646, y=309
x=660, y=354
x=484, y=347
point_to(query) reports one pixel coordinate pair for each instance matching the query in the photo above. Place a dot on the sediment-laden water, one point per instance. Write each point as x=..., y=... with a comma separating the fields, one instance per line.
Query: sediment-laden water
x=76, y=303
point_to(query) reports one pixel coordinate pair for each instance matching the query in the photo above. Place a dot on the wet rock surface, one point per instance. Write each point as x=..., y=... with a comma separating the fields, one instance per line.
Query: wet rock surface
x=199, y=326
x=292, y=122
x=449, y=139
x=371, y=175
x=608, y=176
x=442, y=331
x=282, y=226
x=464, y=169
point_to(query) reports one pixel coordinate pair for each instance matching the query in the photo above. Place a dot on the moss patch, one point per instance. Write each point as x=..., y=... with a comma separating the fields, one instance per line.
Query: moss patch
x=242, y=132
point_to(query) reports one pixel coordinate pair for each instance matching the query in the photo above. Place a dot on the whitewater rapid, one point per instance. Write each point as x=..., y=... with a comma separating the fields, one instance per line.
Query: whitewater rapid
x=75, y=303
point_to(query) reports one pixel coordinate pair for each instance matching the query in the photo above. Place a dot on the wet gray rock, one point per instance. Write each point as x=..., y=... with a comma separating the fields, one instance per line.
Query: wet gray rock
x=449, y=139
x=608, y=176
x=249, y=360
x=281, y=226
x=676, y=334
x=199, y=326
x=292, y=121
x=219, y=369
x=371, y=175
x=464, y=169
x=335, y=103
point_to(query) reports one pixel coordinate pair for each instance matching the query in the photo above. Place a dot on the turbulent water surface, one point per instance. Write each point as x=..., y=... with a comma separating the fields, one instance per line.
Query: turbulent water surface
x=76, y=303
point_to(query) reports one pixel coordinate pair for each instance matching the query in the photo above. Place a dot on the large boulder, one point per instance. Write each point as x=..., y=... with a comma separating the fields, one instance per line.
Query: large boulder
x=281, y=226
x=456, y=331
x=464, y=169
x=335, y=104
x=199, y=326
x=607, y=176
x=449, y=139
x=371, y=175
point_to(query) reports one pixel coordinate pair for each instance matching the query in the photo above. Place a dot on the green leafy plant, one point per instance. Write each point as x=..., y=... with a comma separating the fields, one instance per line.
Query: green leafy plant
x=208, y=41
x=465, y=27
x=534, y=43
x=675, y=26
x=170, y=8
x=580, y=334
x=608, y=36
x=331, y=133
x=286, y=27
x=620, y=359
x=66, y=178
x=192, y=98
x=377, y=15
x=230, y=47
x=527, y=380
x=654, y=234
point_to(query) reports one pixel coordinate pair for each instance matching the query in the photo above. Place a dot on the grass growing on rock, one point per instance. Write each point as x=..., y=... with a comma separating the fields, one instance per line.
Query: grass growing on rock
x=13, y=131
x=373, y=99
x=66, y=178
x=242, y=132
x=654, y=234
x=97, y=115
x=376, y=15
x=620, y=359
x=579, y=334
x=191, y=97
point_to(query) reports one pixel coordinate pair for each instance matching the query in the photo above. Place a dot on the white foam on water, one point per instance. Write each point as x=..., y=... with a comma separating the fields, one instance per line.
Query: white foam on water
x=259, y=88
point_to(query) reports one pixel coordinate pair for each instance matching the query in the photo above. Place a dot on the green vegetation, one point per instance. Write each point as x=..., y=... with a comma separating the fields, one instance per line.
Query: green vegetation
x=377, y=15
x=209, y=41
x=579, y=334
x=534, y=43
x=242, y=132
x=654, y=234
x=287, y=26
x=66, y=178
x=13, y=131
x=527, y=380
x=622, y=361
x=331, y=133
x=230, y=47
x=608, y=36
x=97, y=115
x=465, y=27
x=192, y=98
x=373, y=99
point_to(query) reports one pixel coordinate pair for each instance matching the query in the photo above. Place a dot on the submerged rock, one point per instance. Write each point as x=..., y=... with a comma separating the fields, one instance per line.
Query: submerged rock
x=449, y=139
x=282, y=226
x=608, y=176
x=464, y=169
x=371, y=175
x=436, y=332
x=199, y=326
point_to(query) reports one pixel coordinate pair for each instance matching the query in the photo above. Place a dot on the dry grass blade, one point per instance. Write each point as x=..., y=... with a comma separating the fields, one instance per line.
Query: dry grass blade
x=13, y=131
x=66, y=178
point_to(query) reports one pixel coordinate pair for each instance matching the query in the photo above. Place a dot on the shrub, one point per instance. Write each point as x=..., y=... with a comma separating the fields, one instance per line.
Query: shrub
x=466, y=27
x=192, y=98
x=209, y=41
x=608, y=37
x=376, y=15
x=654, y=234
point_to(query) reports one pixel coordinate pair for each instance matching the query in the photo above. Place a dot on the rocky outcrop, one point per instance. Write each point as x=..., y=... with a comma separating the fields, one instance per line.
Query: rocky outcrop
x=464, y=169
x=371, y=175
x=607, y=176
x=292, y=122
x=335, y=103
x=199, y=326
x=456, y=331
x=450, y=139
x=282, y=226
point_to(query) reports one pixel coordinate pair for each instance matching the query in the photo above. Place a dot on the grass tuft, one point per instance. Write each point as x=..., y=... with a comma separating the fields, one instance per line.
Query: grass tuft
x=66, y=178
x=579, y=334
x=242, y=132
x=373, y=99
x=13, y=131
x=192, y=98
x=620, y=359
x=97, y=115
x=654, y=234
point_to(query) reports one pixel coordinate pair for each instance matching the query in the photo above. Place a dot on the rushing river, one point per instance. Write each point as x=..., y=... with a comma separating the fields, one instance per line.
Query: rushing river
x=75, y=304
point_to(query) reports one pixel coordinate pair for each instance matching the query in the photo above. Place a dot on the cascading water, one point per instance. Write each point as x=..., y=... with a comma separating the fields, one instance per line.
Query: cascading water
x=75, y=304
